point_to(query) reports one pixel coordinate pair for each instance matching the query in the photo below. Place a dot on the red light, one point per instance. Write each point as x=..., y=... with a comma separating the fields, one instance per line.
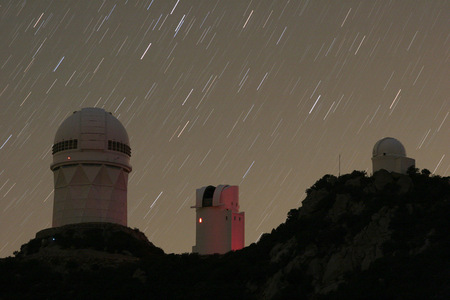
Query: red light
x=200, y=220
x=68, y=157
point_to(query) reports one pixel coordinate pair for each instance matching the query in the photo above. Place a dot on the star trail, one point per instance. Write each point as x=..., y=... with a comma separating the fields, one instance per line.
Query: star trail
x=262, y=94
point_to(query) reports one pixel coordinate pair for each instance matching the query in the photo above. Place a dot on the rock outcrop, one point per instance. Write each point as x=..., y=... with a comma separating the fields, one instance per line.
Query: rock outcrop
x=348, y=224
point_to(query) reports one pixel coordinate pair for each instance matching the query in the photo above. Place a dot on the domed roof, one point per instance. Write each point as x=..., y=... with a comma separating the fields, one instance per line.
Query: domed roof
x=388, y=146
x=92, y=121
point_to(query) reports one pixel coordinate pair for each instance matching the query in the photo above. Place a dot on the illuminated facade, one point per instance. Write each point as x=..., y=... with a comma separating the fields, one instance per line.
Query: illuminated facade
x=390, y=155
x=220, y=227
x=91, y=163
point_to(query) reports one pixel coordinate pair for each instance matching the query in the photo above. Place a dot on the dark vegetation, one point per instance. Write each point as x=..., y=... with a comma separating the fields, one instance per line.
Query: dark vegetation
x=355, y=237
x=100, y=239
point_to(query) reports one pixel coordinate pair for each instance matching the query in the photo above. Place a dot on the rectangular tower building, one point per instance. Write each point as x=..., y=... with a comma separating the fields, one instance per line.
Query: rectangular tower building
x=220, y=227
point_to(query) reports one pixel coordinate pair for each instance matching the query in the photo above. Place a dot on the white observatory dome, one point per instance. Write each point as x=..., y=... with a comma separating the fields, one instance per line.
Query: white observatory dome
x=92, y=120
x=91, y=135
x=91, y=163
x=388, y=147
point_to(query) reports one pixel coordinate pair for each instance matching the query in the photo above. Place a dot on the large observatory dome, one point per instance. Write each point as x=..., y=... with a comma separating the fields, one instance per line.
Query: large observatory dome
x=388, y=146
x=91, y=163
x=92, y=120
x=91, y=134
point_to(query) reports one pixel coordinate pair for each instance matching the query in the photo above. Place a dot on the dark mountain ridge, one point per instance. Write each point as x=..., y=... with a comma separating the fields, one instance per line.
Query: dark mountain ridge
x=386, y=236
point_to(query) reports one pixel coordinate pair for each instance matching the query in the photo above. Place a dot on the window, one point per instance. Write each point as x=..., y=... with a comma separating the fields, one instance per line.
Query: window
x=64, y=145
x=208, y=196
x=120, y=147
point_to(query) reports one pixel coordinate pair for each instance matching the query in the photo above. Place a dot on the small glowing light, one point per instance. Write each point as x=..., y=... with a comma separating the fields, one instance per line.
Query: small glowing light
x=68, y=157
x=200, y=220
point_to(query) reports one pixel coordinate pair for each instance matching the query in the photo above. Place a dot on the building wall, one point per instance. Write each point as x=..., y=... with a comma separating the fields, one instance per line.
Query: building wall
x=213, y=230
x=90, y=193
x=238, y=231
x=229, y=197
x=396, y=164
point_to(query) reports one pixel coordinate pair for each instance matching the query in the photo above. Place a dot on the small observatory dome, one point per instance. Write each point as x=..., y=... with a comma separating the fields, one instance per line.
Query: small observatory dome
x=91, y=163
x=91, y=134
x=388, y=146
x=390, y=155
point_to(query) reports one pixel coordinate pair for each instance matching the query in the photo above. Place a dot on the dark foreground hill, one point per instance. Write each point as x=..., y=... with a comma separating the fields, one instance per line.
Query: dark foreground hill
x=380, y=237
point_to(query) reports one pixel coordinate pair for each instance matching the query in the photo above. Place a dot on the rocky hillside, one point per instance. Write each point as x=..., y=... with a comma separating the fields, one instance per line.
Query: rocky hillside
x=381, y=237
x=385, y=236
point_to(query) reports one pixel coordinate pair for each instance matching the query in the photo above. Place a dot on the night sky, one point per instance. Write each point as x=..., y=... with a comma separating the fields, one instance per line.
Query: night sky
x=261, y=94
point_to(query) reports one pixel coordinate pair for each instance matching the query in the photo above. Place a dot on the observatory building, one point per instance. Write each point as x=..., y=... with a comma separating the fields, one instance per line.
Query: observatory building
x=91, y=163
x=390, y=155
x=219, y=224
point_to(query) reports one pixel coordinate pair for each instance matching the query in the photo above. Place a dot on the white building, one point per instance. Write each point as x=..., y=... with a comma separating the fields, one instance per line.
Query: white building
x=390, y=155
x=91, y=163
x=220, y=227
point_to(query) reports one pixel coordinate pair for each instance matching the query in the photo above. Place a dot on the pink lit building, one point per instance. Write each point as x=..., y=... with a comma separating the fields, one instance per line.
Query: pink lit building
x=220, y=227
